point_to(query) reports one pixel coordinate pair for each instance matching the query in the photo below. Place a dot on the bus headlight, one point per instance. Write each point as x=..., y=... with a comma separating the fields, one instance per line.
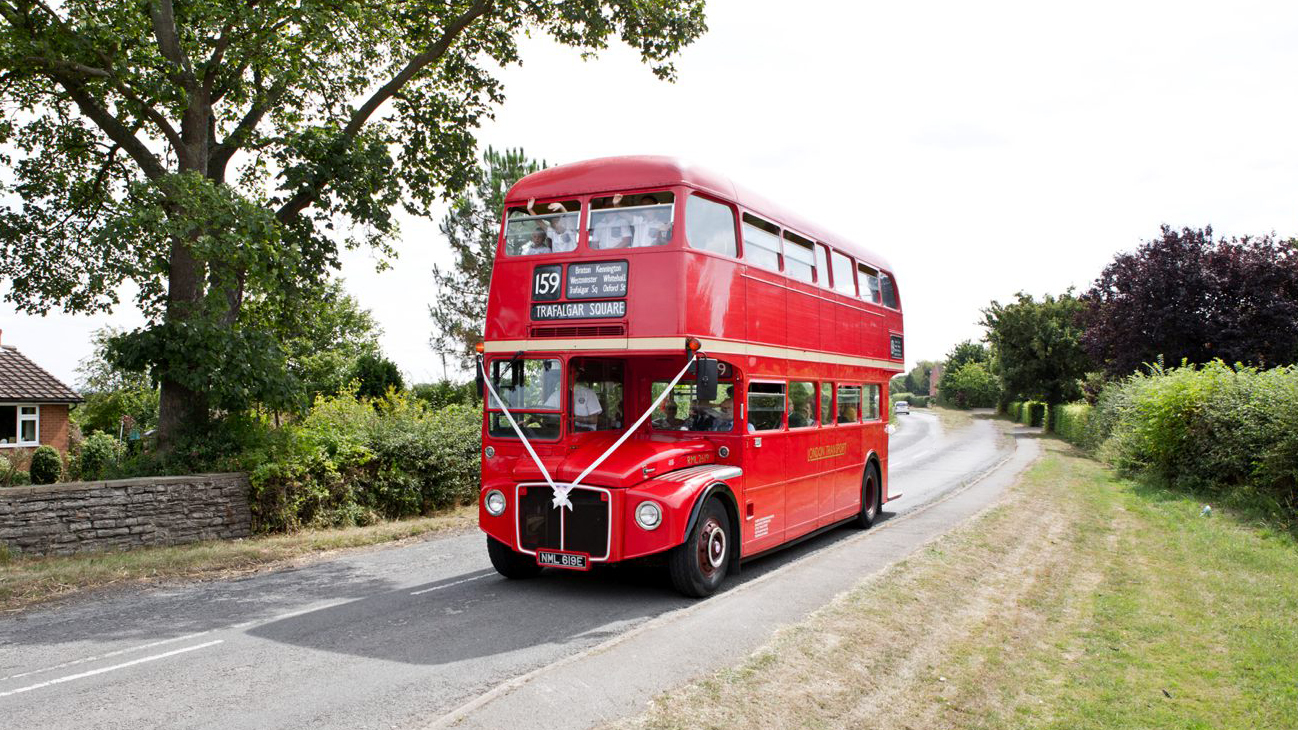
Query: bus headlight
x=648, y=515
x=495, y=502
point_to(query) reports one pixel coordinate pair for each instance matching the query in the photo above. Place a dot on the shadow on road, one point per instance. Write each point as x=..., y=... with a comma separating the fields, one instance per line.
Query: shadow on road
x=481, y=614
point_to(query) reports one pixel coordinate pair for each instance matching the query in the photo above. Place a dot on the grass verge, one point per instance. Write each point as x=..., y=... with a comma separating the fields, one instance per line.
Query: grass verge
x=27, y=581
x=1080, y=601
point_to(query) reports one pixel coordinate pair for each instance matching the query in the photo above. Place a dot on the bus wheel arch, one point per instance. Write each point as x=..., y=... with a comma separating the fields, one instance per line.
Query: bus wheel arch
x=871, y=492
x=710, y=549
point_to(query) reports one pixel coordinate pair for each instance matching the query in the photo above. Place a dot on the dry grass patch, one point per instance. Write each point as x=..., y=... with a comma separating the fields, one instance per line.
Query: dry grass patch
x=952, y=419
x=28, y=581
x=1076, y=602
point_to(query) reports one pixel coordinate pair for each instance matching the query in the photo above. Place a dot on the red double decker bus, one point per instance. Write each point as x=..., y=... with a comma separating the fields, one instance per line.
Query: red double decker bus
x=676, y=367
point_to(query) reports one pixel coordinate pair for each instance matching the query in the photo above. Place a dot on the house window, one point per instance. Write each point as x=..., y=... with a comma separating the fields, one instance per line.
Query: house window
x=19, y=425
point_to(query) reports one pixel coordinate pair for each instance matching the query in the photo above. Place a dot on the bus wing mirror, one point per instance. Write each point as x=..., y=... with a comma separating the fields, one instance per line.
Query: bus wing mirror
x=705, y=379
x=482, y=384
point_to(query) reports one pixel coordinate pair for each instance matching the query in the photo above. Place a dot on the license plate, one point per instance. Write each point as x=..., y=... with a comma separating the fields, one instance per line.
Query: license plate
x=565, y=560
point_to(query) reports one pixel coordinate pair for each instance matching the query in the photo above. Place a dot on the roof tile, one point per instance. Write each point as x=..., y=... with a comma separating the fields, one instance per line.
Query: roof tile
x=23, y=380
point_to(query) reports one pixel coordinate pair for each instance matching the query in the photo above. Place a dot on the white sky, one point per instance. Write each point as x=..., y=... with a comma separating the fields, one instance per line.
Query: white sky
x=983, y=148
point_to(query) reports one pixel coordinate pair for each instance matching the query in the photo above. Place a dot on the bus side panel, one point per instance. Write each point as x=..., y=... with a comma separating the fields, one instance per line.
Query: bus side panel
x=803, y=318
x=713, y=302
x=847, y=479
x=764, y=494
x=654, y=287
x=766, y=306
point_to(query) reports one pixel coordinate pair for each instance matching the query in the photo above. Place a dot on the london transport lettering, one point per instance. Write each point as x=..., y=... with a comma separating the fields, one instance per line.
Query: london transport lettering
x=816, y=453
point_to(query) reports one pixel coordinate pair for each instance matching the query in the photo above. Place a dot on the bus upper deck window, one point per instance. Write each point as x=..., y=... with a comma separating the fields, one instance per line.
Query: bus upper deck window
x=631, y=221
x=761, y=243
x=822, y=265
x=541, y=228
x=799, y=259
x=869, y=283
x=844, y=282
x=710, y=226
x=889, y=291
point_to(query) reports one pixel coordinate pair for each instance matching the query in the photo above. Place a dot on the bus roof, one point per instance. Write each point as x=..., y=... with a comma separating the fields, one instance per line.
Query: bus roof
x=634, y=172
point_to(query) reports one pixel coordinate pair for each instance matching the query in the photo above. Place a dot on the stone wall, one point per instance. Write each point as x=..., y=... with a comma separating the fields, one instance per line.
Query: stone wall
x=59, y=519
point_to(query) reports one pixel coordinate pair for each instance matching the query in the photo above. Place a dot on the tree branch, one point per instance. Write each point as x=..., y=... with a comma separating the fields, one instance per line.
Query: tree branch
x=113, y=127
x=164, y=29
x=221, y=153
x=308, y=194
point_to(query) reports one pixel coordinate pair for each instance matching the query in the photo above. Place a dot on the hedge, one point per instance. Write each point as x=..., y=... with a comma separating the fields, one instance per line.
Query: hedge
x=356, y=461
x=1228, y=432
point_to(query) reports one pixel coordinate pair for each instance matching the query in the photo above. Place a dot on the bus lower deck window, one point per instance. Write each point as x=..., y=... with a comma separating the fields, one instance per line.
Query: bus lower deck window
x=765, y=406
x=849, y=403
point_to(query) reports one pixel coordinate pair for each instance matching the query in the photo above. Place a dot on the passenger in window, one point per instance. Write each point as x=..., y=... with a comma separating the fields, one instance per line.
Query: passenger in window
x=848, y=414
x=612, y=229
x=586, y=407
x=558, y=237
x=800, y=415
x=665, y=419
x=538, y=243
x=652, y=225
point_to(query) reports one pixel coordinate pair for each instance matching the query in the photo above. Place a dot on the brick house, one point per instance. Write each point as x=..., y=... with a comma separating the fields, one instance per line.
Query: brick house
x=33, y=404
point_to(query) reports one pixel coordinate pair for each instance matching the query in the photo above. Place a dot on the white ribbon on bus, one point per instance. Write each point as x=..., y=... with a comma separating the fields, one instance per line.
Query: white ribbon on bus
x=561, y=491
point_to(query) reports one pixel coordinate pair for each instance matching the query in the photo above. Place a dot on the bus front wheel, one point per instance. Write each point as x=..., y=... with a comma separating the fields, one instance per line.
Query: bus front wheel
x=699, y=565
x=870, y=497
x=509, y=563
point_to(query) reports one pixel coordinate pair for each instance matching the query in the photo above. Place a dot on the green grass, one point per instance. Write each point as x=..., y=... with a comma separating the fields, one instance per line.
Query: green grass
x=27, y=581
x=1081, y=601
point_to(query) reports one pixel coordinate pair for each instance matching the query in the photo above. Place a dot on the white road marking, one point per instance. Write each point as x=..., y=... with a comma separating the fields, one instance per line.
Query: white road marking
x=123, y=665
x=292, y=614
x=119, y=652
x=448, y=585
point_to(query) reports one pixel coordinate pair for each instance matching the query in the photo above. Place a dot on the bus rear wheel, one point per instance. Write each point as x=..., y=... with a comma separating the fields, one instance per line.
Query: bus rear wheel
x=871, y=494
x=698, y=566
x=509, y=563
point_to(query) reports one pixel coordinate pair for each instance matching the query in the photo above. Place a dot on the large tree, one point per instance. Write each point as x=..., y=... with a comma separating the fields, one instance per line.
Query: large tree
x=472, y=228
x=1036, y=347
x=1189, y=296
x=215, y=151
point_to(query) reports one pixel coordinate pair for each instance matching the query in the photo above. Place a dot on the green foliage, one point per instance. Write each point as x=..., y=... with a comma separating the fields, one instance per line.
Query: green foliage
x=354, y=461
x=960, y=355
x=1036, y=346
x=915, y=401
x=970, y=385
x=1230, y=433
x=471, y=228
x=323, y=342
x=213, y=154
x=376, y=375
x=46, y=466
x=1071, y=421
x=113, y=394
x=446, y=393
x=99, y=454
x=10, y=474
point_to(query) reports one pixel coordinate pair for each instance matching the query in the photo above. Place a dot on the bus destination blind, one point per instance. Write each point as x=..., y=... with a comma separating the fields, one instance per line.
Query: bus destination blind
x=597, y=280
x=580, y=310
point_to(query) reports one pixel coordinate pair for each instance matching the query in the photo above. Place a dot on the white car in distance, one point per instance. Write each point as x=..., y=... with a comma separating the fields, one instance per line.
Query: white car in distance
x=901, y=407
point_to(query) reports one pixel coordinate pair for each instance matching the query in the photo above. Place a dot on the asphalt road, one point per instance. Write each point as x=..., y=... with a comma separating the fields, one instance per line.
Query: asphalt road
x=428, y=634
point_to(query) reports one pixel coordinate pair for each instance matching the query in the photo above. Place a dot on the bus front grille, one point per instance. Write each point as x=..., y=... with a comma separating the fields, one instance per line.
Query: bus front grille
x=583, y=529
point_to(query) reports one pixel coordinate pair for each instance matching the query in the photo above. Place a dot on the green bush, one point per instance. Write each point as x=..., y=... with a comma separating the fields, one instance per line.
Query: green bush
x=1229, y=432
x=1071, y=421
x=99, y=454
x=46, y=466
x=354, y=461
x=1034, y=413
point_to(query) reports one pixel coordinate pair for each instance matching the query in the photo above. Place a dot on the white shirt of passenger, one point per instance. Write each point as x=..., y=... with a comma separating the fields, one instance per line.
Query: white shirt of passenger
x=610, y=230
x=648, y=227
x=560, y=242
x=585, y=402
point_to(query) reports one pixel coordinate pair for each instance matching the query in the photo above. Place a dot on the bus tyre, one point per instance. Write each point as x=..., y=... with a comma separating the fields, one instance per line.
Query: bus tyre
x=509, y=563
x=698, y=566
x=870, y=497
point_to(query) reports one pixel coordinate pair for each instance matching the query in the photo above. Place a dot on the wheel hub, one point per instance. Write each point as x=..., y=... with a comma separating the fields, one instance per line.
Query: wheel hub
x=711, y=547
